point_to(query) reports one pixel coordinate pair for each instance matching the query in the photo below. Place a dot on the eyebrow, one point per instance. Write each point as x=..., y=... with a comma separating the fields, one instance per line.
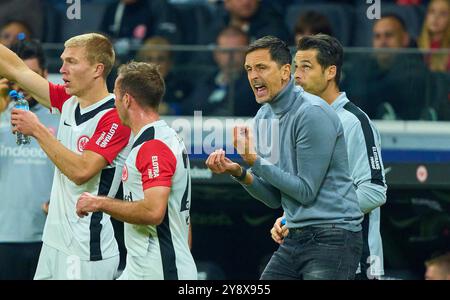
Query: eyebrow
x=305, y=61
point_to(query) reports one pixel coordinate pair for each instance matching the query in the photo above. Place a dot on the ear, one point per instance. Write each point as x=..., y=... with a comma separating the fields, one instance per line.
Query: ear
x=99, y=70
x=286, y=72
x=126, y=100
x=331, y=72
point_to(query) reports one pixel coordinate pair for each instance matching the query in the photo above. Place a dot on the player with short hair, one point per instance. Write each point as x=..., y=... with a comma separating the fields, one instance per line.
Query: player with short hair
x=156, y=180
x=89, y=153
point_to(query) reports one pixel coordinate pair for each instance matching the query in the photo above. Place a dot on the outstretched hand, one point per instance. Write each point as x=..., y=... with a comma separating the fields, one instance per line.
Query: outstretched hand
x=218, y=163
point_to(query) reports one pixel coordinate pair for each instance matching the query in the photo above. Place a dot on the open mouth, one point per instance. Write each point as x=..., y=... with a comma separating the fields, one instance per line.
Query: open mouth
x=260, y=90
x=66, y=83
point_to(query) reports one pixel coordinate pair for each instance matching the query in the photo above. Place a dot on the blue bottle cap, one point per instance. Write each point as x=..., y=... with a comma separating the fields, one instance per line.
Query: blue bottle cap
x=21, y=36
x=13, y=94
x=283, y=221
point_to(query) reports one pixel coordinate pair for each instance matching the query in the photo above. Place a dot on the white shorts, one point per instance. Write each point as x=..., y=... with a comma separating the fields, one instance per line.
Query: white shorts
x=56, y=265
x=138, y=268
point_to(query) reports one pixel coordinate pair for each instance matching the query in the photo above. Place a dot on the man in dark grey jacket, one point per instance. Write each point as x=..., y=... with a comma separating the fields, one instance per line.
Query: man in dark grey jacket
x=305, y=170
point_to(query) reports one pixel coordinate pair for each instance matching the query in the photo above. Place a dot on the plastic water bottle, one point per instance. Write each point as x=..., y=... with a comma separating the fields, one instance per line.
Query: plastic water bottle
x=21, y=103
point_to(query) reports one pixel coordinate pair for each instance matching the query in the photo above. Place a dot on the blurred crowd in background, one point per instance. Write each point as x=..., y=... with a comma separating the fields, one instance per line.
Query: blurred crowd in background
x=396, y=67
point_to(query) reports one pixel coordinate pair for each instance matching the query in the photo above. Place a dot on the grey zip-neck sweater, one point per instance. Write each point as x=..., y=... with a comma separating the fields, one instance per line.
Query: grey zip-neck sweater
x=305, y=169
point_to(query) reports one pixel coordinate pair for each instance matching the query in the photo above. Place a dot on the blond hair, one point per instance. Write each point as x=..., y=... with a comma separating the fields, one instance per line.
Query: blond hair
x=99, y=49
x=438, y=61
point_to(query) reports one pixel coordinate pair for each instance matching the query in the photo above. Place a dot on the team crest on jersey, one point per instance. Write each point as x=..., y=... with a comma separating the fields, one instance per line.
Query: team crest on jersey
x=82, y=141
x=124, y=173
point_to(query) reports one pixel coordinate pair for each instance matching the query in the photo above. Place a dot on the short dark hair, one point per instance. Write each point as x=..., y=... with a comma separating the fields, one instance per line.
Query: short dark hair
x=29, y=49
x=22, y=23
x=142, y=81
x=279, y=51
x=395, y=17
x=313, y=22
x=329, y=51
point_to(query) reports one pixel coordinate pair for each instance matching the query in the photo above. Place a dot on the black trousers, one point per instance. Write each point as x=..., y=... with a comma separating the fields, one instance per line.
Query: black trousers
x=18, y=261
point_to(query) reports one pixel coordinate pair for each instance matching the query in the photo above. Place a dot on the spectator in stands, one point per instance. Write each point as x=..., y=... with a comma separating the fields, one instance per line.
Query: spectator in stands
x=177, y=90
x=14, y=30
x=136, y=20
x=253, y=18
x=310, y=23
x=29, y=11
x=389, y=84
x=225, y=91
x=438, y=268
x=23, y=193
x=436, y=34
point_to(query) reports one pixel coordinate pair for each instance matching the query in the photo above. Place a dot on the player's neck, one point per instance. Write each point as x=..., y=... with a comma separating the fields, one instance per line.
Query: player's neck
x=142, y=118
x=330, y=94
x=93, y=95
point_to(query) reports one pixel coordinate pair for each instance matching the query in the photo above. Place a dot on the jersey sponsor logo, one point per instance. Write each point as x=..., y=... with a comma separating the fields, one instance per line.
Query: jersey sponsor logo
x=82, y=141
x=375, y=160
x=105, y=138
x=124, y=173
x=154, y=171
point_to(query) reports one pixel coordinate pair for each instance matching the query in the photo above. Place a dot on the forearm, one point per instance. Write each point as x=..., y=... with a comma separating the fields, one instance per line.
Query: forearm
x=10, y=63
x=14, y=69
x=134, y=212
x=285, y=182
x=69, y=163
x=262, y=191
x=370, y=196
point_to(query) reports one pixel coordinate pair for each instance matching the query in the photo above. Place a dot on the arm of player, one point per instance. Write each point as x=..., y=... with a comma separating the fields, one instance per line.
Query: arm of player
x=255, y=186
x=13, y=68
x=79, y=168
x=367, y=172
x=149, y=211
x=315, y=141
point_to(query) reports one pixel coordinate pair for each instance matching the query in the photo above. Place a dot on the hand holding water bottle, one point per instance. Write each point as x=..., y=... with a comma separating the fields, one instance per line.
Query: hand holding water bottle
x=26, y=122
x=20, y=103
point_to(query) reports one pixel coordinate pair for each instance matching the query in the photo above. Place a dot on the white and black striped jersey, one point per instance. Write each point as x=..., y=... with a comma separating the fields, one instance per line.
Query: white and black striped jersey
x=159, y=158
x=95, y=128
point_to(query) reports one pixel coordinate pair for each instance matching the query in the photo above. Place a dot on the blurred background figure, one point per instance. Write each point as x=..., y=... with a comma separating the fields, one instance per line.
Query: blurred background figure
x=130, y=22
x=155, y=50
x=436, y=34
x=13, y=31
x=29, y=12
x=226, y=91
x=388, y=84
x=254, y=19
x=23, y=193
x=310, y=23
x=438, y=268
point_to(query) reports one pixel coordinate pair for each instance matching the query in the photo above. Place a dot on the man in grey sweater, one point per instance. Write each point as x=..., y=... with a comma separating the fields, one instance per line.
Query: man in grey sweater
x=310, y=176
x=315, y=56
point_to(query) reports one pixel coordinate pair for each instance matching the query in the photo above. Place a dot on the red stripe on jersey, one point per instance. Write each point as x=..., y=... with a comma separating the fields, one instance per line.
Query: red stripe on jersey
x=58, y=95
x=110, y=136
x=156, y=163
